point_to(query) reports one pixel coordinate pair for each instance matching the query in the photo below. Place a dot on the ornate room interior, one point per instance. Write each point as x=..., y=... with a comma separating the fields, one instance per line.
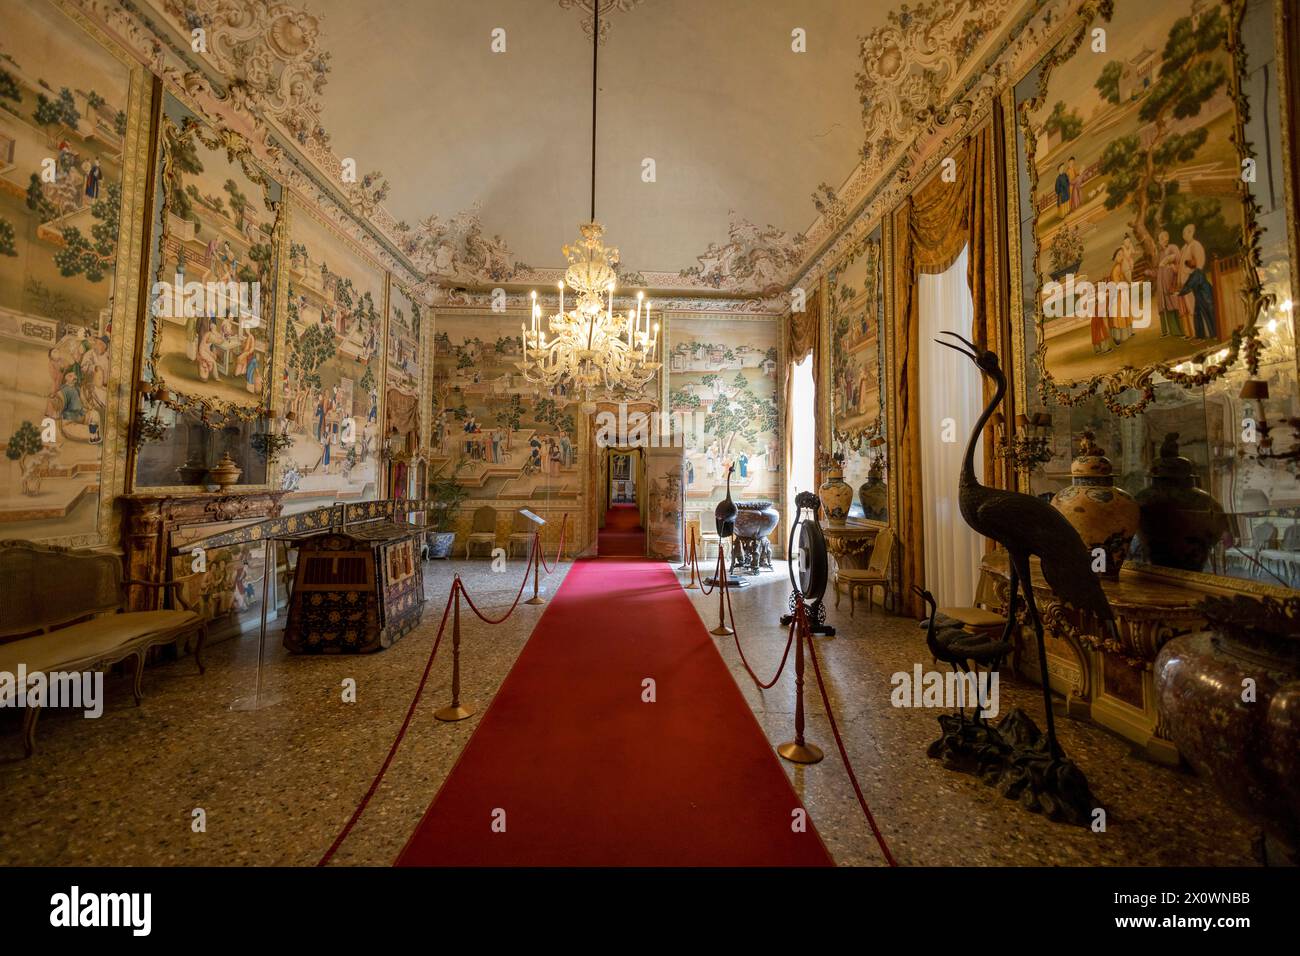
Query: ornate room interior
x=615, y=433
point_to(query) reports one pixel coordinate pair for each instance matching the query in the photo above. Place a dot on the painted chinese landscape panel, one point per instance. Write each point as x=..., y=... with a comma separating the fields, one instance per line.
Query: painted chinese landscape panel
x=218, y=234
x=406, y=331
x=334, y=341
x=722, y=384
x=1137, y=183
x=63, y=140
x=503, y=437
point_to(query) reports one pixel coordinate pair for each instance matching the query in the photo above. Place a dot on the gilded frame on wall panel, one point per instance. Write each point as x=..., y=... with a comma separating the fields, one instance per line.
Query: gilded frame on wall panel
x=343, y=253
x=121, y=303
x=177, y=142
x=889, y=380
x=848, y=433
x=423, y=384
x=1206, y=346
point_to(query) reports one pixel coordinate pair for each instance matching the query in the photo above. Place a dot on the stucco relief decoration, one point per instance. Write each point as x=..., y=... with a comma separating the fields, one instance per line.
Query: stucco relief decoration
x=606, y=8
x=753, y=260
x=272, y=55
x=368, y=193
x=458, y=250
x=911, y=62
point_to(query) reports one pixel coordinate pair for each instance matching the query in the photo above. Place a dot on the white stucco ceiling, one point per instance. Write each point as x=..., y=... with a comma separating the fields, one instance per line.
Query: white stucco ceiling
x=709, y=89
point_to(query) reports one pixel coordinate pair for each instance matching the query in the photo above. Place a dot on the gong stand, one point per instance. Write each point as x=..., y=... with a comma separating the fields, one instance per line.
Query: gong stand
x=808, y=576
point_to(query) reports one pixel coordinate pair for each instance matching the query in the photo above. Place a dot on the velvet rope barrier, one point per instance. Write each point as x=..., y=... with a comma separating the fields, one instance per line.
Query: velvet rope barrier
x=721, y=572
x=532, y=556
x=559, y=550
x=735, y=633
x=401, y=733
x=806, y=632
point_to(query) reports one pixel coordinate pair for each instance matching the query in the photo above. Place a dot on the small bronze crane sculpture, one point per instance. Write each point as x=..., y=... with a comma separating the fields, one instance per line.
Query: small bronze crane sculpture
x=951, y=643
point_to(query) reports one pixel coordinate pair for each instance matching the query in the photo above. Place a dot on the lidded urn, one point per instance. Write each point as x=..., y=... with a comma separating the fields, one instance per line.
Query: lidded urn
x=1181, y=522
x=835, y=493
x=1105, y=516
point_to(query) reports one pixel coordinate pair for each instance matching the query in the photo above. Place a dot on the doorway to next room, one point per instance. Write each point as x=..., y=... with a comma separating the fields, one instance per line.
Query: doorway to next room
x=622, y=532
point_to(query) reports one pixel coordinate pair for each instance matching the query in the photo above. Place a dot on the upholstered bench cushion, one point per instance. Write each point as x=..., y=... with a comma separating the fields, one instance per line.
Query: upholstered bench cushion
x=89, y=640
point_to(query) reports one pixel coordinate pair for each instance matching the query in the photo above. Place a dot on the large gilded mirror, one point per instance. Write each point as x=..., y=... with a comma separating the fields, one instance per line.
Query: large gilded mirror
x=1208, y=453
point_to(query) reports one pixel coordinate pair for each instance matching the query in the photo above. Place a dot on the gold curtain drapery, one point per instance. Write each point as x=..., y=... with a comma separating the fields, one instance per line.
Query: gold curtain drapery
x=930, y=228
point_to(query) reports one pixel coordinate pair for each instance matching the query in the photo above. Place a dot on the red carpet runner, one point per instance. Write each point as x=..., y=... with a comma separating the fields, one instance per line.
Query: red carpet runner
x=622, y=535
x=588, y=774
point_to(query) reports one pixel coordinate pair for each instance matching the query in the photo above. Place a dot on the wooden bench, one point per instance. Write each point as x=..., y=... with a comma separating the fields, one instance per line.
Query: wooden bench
x=64, y=610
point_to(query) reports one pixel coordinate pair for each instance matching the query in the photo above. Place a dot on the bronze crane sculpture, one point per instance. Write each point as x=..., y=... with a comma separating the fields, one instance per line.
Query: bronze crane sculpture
x=1027, y=526
x=724, y=515
x=951, y=643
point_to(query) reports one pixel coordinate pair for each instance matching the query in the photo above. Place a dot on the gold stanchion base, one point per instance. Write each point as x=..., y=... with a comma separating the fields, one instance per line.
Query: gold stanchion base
x=722, y=631
x=536, y=600
x=801, y=753
x=454, y=712
x=691, y=585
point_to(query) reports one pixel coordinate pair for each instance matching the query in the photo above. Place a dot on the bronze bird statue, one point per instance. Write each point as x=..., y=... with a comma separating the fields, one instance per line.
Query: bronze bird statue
x=725, y=513
x=954, y=645
x=1027, y=526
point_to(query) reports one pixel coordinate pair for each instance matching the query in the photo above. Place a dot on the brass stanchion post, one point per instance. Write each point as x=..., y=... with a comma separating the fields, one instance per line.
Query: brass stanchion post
x=455, y=710
x=537, y=563
x=694, y=583
x=721, y=630
x=799, y=750
x=687, y=538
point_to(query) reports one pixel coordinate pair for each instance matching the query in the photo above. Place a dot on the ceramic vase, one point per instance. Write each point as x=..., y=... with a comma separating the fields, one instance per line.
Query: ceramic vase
x=872, y=495
x=836, y=495
x=1230, y=699
x=1180, y=522
x=1106, y=517
x=192, y=472
x=226, y=473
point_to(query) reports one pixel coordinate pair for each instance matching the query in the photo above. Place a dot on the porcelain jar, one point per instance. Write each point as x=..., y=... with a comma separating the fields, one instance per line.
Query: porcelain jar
x=836, y=495
x=1180, y=523
x=1229, y=697
x=1105, y=516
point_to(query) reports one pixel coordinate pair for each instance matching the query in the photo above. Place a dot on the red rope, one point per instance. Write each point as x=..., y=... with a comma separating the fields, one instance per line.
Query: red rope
x=392, y=751
x=520, y=593
x=735, y=633
x=835, y=730
x=559, y=551
x=718, y=575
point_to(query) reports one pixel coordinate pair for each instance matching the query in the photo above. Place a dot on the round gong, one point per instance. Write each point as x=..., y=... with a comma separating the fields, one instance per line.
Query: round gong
x=808, y=574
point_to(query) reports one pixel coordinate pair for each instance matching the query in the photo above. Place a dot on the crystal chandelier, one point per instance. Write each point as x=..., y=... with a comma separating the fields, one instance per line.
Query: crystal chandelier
x=590, y=346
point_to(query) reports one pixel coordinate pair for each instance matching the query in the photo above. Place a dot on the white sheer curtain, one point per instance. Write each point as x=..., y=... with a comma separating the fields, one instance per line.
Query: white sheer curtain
x=950, y=389
x=802, y=419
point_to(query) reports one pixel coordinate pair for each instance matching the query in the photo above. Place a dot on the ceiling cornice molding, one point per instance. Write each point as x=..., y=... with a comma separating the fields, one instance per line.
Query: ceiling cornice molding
x=263, y=72
x=509, y=302
x=264, y=101
x=882, y=181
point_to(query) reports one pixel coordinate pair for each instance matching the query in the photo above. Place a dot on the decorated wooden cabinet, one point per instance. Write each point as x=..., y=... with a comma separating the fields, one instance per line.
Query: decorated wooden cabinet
x=356, y=590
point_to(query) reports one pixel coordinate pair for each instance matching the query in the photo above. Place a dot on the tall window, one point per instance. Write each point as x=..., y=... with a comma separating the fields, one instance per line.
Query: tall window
x=952, y=398
x=803, y=441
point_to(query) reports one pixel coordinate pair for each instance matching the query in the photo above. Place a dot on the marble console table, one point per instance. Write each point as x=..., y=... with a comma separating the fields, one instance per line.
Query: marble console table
x=1110, y=681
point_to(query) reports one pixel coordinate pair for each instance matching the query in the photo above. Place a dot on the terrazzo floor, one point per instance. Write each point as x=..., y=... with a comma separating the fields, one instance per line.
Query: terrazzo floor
x=277, y=784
